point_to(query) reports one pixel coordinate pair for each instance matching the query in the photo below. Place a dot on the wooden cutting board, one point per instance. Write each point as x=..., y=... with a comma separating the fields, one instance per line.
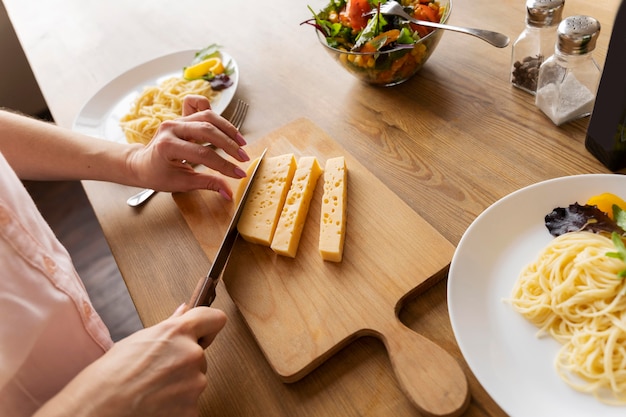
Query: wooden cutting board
x=303, y=310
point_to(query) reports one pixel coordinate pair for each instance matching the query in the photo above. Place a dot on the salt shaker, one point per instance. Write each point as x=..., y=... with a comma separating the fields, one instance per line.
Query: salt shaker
x=535, y=43
x=568, y=80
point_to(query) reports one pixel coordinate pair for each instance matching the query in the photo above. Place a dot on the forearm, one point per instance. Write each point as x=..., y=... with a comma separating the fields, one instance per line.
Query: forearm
x=38, y=150
x=42, y=151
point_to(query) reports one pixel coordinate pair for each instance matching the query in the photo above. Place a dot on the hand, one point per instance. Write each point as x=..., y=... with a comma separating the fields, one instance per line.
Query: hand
x=164, y=164
x=158, y=371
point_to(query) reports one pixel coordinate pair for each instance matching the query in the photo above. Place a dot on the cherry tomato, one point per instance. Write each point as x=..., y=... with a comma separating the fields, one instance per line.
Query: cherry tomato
x=356, y=10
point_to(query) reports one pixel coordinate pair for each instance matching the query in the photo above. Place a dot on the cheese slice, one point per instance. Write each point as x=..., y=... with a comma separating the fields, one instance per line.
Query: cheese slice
x=243, y=183
x=265, y=201
x=333, y=211
x=296, y=207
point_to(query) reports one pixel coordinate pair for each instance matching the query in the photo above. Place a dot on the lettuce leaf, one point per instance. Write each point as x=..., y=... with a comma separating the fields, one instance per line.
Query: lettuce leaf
x=578, y=217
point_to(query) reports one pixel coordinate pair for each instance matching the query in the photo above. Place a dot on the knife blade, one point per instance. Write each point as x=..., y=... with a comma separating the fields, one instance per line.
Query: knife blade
x=204, y=295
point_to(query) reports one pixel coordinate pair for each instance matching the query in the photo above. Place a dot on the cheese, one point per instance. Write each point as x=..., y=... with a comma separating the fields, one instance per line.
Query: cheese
x=333, y=211
x=266, y=198
x=243, y=183
x=294, y=212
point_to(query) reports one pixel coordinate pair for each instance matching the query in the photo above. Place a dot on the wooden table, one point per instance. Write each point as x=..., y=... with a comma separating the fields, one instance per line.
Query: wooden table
x=449, y=142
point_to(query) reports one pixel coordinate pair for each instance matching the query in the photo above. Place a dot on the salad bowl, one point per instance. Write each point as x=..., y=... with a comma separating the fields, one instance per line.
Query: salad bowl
x=388, y=50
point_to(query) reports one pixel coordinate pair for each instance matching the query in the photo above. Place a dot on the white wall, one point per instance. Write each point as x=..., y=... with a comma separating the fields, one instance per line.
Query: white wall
x=18, y=88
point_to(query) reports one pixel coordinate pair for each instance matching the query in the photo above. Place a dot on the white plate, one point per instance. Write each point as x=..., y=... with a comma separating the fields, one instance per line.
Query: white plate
x=101, y=115
x=500, y=346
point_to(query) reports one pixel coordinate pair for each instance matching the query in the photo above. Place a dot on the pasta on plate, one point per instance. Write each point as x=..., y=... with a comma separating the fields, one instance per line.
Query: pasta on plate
x=159, y=103
x=572, y=292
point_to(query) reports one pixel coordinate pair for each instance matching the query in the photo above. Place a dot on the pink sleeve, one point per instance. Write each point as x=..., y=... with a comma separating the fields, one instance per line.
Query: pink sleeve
x=49, y=330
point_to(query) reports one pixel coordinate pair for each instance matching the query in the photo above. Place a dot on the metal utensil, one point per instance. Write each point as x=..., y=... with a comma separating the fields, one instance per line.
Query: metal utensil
x=237, y=119
x=239, y=114
x=141, y=197
x=204, y=295
x=494, y=38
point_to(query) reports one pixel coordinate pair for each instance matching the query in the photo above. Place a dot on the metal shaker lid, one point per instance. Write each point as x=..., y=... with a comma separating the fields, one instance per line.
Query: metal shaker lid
x=577, y=35
x=542, y=13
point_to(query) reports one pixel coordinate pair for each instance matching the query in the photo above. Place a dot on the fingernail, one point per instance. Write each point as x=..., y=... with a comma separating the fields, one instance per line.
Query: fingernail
x=240, y=140
x=181, y=309
x=243, y=154
x=225, y=194
x=240, y=172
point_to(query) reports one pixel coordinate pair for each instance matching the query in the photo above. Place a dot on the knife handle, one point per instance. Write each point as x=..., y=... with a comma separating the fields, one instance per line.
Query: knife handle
x=204, y=293
x=196, y=293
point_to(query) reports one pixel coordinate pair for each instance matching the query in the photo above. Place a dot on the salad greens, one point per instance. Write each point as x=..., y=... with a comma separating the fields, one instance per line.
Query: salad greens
x=620, y=253
x=358, y=25
x=211, y=51
x=620, y=218
x=589, y=218
x=578, y=217
x=218, y=81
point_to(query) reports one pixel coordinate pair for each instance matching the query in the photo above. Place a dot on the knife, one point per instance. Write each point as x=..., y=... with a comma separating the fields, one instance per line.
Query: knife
x=204, y=295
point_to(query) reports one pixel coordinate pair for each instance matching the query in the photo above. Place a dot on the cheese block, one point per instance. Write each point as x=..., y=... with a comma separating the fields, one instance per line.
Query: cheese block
x=296, y=207
x=333, y=211
x=265, y=201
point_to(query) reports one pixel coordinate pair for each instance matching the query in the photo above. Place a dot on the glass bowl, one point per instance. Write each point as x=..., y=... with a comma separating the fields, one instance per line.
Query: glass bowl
x=388, y=68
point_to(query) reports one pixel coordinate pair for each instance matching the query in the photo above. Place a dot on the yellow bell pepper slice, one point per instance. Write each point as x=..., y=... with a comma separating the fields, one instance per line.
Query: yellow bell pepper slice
x=213, y=65
x=605, y=202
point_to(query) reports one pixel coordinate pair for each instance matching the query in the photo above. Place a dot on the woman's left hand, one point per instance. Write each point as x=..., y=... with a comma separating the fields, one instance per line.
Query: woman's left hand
x=166, y=163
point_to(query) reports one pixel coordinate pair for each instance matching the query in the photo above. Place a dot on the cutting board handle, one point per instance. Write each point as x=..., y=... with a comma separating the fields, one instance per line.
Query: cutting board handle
x=430, y=377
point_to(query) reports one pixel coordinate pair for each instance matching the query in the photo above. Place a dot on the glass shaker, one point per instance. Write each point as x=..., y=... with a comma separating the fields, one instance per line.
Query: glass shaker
x=535, y=43
x=568, y=80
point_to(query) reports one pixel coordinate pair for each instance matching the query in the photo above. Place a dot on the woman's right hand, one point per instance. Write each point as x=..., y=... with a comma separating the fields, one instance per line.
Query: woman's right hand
x=156, y=372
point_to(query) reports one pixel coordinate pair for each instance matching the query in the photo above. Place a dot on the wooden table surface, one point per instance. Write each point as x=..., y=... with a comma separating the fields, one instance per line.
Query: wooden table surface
x=449, y=142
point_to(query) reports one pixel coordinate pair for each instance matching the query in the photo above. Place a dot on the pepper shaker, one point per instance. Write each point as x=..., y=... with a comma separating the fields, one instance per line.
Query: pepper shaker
x=535, y=43
x=568, y=80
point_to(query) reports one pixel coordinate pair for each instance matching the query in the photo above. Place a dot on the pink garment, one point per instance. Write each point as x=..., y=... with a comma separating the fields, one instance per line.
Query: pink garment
x=49, y=331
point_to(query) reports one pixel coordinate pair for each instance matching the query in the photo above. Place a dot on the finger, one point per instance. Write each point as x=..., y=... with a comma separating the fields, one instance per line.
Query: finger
x=204, y=366
x=200, y=362
x=194, y=103
x=220, y=137
x=201, y=133
x=220, y=122
x=180, y=310
x=203, y=181
x=198, y=111
x=179, y=150
x=205, y=323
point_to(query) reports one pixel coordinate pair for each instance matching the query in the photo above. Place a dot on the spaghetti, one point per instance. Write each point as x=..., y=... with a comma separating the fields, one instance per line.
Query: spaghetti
x=159, y=103
x=573, y=293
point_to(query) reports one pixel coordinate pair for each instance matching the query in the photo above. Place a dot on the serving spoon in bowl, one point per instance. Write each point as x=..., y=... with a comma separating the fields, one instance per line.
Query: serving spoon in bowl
x=395, y=9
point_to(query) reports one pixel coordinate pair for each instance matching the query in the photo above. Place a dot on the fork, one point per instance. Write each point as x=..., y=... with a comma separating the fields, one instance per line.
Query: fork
x=236, y=119
x=494, y=38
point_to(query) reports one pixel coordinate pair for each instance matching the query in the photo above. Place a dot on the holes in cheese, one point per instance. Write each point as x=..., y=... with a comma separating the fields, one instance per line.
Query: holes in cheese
x=296, y=207
x=333, y=211
x=260, y=214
